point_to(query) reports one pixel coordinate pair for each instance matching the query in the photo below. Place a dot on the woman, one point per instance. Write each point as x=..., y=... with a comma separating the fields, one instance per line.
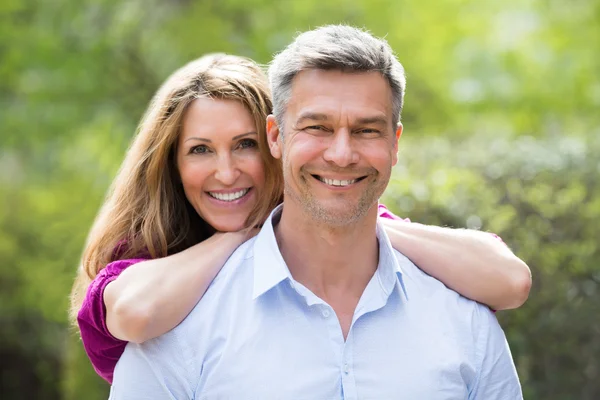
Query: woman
x=200, y=166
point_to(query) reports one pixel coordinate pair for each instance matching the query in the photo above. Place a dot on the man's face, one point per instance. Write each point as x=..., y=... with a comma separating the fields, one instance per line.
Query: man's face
x=338, y=144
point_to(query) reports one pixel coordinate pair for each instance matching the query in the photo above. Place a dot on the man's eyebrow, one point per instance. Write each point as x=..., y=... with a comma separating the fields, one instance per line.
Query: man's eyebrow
x=232, y=139
x=381, y=120
x=311, y=116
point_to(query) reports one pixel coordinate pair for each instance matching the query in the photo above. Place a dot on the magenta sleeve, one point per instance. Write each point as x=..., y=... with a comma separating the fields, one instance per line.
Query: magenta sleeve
x=383, y=212
x=103, y=349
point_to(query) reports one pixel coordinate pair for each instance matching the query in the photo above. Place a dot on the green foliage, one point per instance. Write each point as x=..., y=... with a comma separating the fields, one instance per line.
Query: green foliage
x=541, y=197
x=501, y=133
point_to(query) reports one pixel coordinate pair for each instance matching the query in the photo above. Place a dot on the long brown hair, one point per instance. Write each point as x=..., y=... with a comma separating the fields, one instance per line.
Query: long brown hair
x=146, y=211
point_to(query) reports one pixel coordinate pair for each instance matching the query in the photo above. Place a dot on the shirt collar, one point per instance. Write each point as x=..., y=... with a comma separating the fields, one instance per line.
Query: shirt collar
x=270, y=269
x=269, y=266
x=389, y=269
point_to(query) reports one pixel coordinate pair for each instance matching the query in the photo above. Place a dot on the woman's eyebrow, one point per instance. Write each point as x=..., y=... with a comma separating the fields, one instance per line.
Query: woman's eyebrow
x=210, y=141
x=244, y=134
x=198, y=138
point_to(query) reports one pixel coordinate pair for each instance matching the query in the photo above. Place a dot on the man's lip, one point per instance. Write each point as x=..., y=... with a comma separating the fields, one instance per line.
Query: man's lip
x=356, y=178
x=339, y=178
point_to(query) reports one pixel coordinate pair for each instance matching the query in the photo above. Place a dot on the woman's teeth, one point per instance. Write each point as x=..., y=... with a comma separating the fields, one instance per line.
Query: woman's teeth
x=229, y=196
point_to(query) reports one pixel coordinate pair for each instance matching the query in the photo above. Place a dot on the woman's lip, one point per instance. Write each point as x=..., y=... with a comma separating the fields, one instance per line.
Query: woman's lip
x=227, y=191
x=234, y=203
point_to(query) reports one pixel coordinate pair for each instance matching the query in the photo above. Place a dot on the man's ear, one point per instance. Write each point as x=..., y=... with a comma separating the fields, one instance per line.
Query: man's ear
x=274, y=136
x=398, y=134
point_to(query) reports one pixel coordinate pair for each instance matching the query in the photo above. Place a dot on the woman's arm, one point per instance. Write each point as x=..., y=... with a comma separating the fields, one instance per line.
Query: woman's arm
x=473, y=263
x=152, y=297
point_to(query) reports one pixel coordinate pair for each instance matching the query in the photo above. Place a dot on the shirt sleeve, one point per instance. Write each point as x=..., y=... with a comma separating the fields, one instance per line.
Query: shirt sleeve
x=102, y=348
x=383, y=212
x=156, y=369
x=497, y=377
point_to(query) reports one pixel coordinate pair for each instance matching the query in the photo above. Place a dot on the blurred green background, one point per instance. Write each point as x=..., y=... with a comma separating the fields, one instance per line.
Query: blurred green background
x=502, y=133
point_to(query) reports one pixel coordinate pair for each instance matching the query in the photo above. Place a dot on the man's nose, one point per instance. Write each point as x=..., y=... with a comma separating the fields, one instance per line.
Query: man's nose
x=227, y=171
x=341, y=149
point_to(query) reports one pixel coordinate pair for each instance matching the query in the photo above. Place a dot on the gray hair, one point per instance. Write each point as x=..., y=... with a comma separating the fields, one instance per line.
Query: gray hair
x=335, y=47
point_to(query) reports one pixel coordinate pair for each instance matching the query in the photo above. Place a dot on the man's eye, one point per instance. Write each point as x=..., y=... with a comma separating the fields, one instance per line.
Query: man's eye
x=316, y=128
x=247, y=143
x=368, y=131
x=200, y=149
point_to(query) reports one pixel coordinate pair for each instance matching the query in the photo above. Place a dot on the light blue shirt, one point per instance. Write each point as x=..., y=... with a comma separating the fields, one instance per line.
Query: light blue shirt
x=259, y=334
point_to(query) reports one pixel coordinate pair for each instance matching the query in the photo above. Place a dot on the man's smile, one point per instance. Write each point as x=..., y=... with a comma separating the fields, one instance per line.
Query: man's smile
x=338, y=182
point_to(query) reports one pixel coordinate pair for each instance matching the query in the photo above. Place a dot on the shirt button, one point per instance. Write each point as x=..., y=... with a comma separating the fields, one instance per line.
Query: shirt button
x=325, y=313
x=346, y=369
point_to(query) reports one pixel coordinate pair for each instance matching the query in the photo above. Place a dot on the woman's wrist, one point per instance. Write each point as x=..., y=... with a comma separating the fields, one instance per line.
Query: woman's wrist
x=234, y=239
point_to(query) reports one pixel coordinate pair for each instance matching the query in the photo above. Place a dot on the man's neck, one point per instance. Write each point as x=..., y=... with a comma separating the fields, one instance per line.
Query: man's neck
x=332, y=262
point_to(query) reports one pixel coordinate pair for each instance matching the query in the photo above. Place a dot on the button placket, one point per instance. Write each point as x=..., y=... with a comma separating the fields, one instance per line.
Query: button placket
x=348, y=383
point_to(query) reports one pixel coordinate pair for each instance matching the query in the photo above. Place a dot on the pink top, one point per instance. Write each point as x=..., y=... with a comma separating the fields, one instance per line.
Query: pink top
x=103, y=349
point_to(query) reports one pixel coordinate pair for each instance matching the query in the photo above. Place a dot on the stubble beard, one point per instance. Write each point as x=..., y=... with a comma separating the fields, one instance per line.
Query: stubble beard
x=345, y=212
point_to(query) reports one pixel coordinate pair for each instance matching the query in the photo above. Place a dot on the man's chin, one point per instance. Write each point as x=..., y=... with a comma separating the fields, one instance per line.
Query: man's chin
x=338, y=216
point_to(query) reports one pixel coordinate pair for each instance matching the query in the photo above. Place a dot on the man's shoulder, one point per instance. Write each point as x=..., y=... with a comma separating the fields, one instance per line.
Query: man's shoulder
x=465, y=322
x=208, y=314
x=234, y=267
x=421, y=286
x=224, y=294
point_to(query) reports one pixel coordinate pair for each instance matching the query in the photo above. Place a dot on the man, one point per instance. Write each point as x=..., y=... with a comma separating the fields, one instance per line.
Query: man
x=319, y=305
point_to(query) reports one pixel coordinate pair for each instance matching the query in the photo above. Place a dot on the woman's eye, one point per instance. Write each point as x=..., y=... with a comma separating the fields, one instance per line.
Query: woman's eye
x=247, y=143
x=200, y=149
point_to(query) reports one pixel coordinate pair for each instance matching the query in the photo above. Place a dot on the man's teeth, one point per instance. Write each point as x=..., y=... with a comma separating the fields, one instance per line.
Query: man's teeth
x=229, y=196
x=337, y=182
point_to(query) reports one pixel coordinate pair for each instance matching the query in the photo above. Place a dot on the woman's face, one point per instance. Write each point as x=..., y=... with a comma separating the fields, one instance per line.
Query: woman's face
x=219, y=162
